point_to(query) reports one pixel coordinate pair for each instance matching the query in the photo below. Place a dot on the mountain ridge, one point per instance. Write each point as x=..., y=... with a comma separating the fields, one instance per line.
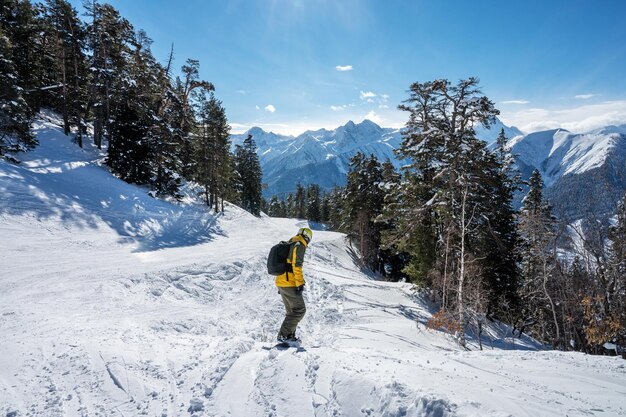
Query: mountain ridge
x=569, y=162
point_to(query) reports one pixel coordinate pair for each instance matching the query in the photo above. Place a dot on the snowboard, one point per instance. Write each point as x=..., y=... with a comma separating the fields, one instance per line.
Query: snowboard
x=286, y=346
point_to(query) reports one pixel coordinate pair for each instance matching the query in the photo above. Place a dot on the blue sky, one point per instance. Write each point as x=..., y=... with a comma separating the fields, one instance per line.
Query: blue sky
x=293, y=65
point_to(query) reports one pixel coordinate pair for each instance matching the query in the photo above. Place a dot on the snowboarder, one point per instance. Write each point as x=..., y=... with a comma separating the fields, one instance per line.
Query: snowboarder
x=291, y=284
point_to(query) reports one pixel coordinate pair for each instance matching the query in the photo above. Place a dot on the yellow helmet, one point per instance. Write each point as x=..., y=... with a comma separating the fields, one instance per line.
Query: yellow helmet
x=306, y=233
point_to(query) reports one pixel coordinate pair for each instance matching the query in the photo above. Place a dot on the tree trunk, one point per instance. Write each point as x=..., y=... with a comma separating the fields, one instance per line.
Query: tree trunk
x=445, y=272
x=460, y=294
x=552, y=306
x=66, y=118
x=76, y=100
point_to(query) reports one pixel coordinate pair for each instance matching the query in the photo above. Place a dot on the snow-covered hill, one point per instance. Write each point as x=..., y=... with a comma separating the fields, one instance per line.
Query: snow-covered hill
x=115, y=303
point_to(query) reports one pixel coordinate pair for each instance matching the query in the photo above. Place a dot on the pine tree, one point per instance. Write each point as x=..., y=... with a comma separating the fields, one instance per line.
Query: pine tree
x=289, y=206
x=22, y=24
x=14, y=112
x=249, y=176
x=275, y=207
x=299, y=202
x=141, y=148
x=363, y=203
x=443, y=194
x=212, y=164
x=188, y=90
x=500, y=238
x=336, y=212
x=538, y=254
x=313, y=203
x=67, y=72
x=325, y=208
x=393, y=259
x=109, y=39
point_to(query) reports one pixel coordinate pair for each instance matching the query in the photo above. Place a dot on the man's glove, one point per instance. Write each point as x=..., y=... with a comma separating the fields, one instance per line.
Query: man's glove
x=300, y=288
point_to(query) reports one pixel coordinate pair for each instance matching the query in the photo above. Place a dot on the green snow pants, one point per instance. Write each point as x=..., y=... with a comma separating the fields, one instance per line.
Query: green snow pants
x=295, y=309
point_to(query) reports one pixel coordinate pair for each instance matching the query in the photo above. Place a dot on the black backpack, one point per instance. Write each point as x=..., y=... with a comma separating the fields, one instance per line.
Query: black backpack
x=277, y=259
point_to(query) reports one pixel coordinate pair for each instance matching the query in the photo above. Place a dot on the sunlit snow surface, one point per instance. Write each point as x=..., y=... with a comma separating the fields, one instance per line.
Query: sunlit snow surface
x=115, y=303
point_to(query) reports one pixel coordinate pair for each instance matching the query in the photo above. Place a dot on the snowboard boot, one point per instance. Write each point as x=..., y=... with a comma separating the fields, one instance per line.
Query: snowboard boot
x=290, y=340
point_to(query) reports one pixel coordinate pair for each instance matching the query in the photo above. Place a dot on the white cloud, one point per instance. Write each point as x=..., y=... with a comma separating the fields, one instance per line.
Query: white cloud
x=575, y=119
x=374, y=117
x=338, y=108
x=344, y=68
x=257, y=107
x=237, y=128
x=366, y=95
x=383, y=106
x=242, y=92
x=270, y=108
x=584, y=96
x=515, y=102
x=384, y=97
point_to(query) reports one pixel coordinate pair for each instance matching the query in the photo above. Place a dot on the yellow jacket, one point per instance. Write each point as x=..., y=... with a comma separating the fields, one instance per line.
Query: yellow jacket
x=294, y=278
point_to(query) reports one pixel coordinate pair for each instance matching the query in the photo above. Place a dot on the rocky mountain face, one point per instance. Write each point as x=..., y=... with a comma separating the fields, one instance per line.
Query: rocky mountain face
x=320, y=156
x=584, y=173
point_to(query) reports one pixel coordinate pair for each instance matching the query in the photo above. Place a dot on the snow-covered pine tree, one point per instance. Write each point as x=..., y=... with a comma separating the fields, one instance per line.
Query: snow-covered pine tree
x=538, y=263
x=249, y=176
x=394, y=260
x=188, y=90
x=500, y=237
x=443, y=198
x=335, y=216
x=22, y=23
x=14, y=112
x=363, y=203
x=211, y=156
x=275, y=207
x=140, y=144
x=109, y=39
x=66, y=37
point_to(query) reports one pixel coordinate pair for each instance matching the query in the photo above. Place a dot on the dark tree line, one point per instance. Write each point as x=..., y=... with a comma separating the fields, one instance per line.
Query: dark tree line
x=100, y=76
x=310, y=203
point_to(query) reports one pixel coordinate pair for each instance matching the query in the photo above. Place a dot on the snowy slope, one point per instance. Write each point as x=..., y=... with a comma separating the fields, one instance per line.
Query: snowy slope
x=114, y=303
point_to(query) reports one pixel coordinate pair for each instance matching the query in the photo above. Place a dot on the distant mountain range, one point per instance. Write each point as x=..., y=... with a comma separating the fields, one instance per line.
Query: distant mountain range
x=583, y=173
x=320, y=156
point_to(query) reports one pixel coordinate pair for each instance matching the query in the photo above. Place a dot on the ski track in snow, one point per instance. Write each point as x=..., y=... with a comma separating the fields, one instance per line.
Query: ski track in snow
x=159, y=309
